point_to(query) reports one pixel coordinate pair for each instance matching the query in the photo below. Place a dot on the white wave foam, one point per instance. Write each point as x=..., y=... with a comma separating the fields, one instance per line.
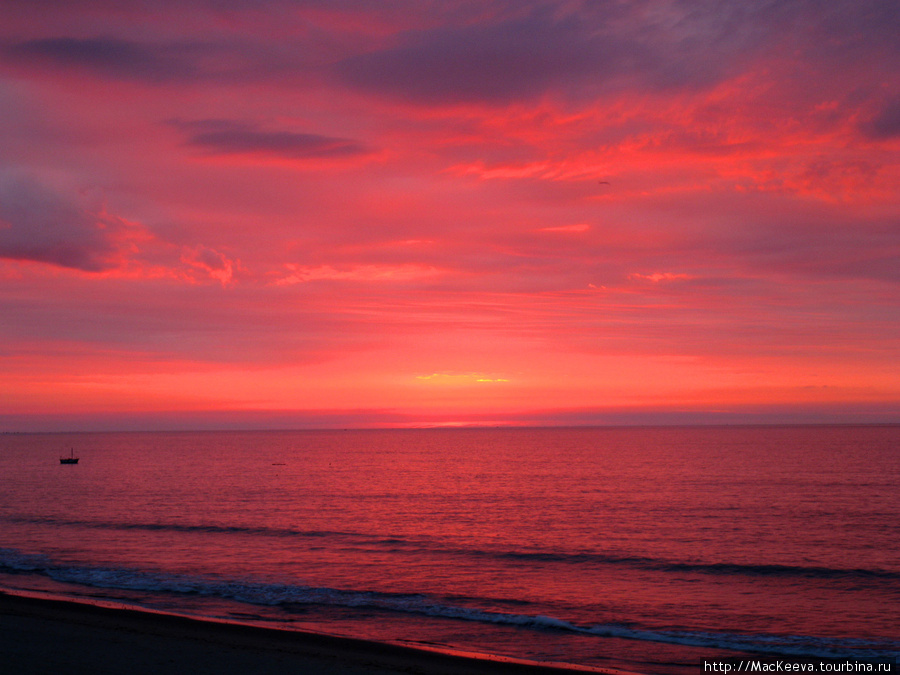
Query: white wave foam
x=267, y=594
x=17, y=561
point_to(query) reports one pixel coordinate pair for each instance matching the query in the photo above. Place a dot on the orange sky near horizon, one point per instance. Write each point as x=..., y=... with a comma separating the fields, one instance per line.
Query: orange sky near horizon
x=307, y=213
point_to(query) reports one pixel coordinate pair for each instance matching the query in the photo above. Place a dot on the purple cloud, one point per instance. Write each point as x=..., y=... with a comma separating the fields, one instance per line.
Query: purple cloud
x=226, y=137
x=39, y=224
x=600, y=49
x=494, y=63
x=886, y=123
x=121, y=59
x=608, y=47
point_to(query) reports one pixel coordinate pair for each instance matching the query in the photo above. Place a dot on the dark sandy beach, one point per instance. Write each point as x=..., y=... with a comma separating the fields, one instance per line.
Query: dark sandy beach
x=48, y=636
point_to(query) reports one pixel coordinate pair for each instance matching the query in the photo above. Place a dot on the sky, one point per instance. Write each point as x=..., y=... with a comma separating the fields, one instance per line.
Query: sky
x=302, y=213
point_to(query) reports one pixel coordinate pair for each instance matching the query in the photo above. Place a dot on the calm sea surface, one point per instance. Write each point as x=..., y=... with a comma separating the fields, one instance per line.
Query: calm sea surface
x=649, y=549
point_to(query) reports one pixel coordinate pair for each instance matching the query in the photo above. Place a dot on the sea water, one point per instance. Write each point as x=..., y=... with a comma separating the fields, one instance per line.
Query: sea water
x=647, y=549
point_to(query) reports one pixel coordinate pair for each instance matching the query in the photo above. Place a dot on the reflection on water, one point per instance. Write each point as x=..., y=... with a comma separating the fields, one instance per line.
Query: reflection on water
x=648, y=544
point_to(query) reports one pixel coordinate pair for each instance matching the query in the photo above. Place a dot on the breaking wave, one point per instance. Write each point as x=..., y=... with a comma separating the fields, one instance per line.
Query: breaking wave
x=292, y=596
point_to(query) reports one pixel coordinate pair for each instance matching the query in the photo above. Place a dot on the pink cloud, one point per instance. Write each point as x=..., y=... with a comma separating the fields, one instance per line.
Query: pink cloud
x=212, y=263
x=658, y=277
x=369, y=273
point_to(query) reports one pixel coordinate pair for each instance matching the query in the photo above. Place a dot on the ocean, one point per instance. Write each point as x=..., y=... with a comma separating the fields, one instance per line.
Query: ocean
x=648, y=549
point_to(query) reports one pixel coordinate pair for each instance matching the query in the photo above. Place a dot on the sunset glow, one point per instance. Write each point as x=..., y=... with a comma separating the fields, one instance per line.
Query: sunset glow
x=301, y=213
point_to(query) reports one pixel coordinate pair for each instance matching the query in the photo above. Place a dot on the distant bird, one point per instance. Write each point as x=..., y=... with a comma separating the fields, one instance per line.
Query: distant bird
x=603, y=182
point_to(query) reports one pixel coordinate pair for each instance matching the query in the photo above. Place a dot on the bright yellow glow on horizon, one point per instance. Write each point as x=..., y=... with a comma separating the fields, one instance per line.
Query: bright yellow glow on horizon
x=458, y=378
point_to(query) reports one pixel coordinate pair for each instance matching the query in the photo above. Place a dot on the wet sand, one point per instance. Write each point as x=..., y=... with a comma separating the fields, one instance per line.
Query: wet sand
x=48, y=636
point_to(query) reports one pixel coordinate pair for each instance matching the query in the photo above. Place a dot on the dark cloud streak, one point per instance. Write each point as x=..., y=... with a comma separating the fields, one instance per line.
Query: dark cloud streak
x=226, y=137
x=121, y=59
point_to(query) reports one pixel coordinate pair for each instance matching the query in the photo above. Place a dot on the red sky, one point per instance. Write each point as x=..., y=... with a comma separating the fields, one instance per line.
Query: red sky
x=340, y=213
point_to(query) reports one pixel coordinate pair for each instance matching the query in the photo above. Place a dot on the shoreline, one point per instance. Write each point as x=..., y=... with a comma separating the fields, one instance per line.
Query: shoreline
x=50, y=634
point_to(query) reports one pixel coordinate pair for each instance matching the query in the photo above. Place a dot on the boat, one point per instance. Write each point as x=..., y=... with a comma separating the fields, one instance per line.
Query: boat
x=71, y=459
